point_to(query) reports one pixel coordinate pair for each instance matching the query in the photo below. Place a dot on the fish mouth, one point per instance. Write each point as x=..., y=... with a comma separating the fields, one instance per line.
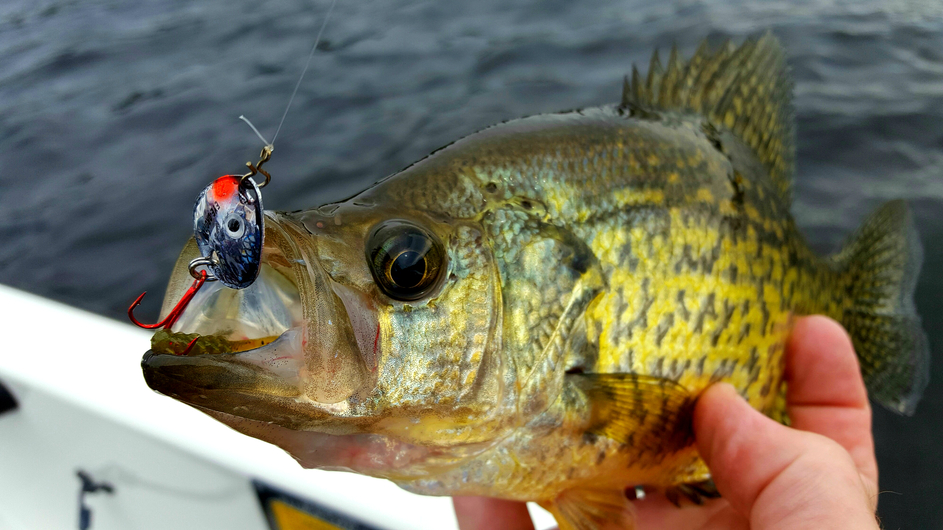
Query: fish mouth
x=247, y=352
x=259, y=327
x=225, y=383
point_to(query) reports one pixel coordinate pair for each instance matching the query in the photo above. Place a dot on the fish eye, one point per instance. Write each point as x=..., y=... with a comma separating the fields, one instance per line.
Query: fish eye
x=406, y=260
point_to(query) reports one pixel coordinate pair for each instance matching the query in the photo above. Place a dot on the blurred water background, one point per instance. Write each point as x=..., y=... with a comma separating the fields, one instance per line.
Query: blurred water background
x=115, y=113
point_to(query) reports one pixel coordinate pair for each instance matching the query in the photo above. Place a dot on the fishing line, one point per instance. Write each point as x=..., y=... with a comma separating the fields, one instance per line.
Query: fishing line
x=256, y=131
x=119, y=475
x=294, y=92
x=124, y=477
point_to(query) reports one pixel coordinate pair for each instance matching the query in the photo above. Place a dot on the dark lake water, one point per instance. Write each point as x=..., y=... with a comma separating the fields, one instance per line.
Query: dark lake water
x=114, y=114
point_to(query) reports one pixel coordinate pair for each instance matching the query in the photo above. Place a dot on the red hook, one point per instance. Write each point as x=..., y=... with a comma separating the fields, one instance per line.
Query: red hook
x=189, y=346
x=175, y=312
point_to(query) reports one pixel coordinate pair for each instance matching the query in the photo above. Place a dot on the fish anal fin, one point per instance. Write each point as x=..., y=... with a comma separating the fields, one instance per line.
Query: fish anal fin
x=650, y=414
x=592, y=509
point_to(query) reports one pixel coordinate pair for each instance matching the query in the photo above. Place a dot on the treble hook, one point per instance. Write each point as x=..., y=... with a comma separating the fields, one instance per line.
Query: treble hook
x=175, y=313
x=189, y=347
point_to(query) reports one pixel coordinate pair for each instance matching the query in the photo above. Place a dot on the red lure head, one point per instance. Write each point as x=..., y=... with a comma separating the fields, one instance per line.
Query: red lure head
x=224, y=188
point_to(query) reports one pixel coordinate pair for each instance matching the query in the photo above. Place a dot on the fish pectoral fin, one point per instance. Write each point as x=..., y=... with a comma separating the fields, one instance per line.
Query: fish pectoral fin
x=651, y=414
x=592, y=509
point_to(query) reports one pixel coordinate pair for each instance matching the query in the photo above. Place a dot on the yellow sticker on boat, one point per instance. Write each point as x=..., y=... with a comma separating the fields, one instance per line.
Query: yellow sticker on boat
x=287, y=517
x=288, y=511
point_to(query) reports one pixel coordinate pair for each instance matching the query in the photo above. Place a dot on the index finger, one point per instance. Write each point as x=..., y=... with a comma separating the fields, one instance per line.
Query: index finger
x=825, y=389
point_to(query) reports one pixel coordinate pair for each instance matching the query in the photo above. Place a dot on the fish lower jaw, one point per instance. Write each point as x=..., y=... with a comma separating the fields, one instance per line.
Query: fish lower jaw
x=371, y=454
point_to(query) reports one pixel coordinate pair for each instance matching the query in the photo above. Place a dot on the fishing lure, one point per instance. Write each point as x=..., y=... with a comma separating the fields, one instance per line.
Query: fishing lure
x=228, y=223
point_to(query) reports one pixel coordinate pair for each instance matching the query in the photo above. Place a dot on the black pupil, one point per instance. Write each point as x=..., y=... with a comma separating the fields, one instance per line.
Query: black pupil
x=233, y=225
x=408, y=269
x=405, y=260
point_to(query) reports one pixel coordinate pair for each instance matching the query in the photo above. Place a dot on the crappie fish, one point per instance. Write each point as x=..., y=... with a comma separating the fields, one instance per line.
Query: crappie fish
x=531, y=312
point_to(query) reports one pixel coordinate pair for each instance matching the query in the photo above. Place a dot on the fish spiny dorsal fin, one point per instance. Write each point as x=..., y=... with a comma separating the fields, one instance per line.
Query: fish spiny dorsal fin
x=746, y=89
x=655, y=72
x=627, y=89
x=634, y=91
x=669, y=83
x=692, y=70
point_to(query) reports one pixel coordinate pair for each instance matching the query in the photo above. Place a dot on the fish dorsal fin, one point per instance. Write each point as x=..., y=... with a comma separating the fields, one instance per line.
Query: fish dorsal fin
x=746, y=89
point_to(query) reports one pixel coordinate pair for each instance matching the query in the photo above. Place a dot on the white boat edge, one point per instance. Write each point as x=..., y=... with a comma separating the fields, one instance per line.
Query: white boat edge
x=84, y=405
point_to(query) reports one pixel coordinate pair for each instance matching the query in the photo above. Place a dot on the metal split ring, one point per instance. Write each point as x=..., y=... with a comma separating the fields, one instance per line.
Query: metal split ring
x=209, y=263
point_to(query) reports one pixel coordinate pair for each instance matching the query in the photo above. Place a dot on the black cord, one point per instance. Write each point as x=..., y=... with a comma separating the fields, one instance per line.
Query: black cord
x=89, y=485
x=7, y=401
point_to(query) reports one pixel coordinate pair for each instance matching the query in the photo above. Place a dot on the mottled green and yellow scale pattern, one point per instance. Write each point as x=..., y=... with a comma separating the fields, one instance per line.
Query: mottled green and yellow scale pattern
x=704, y=267
x=703, y=278
x=703, y=272
x=693, y=269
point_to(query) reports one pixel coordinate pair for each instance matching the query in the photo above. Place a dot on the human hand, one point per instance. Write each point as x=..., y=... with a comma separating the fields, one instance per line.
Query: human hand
x=821, y=473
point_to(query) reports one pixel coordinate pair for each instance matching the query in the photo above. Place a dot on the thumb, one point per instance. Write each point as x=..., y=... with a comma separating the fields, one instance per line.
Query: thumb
x=774, y=475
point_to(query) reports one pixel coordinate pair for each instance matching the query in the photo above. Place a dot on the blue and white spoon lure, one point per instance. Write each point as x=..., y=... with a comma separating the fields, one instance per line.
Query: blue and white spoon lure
x=229, y=228
x=228, y=225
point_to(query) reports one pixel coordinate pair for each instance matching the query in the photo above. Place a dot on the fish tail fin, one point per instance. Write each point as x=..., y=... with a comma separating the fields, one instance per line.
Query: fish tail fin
x=880, y=264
